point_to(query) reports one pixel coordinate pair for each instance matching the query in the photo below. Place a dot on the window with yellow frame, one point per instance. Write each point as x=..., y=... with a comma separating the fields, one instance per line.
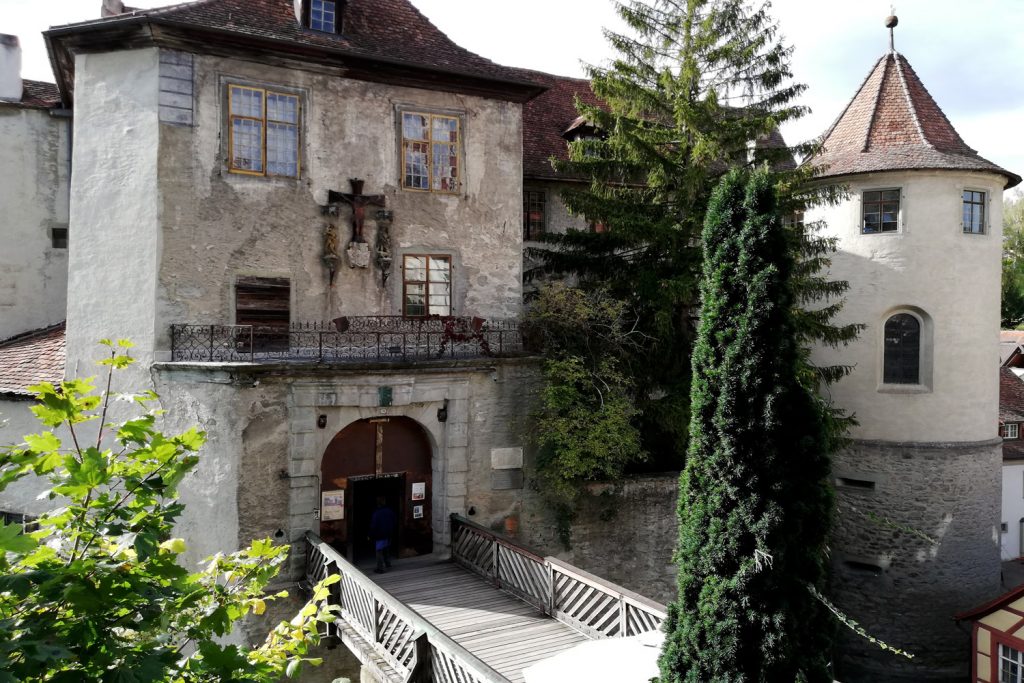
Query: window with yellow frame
x=263, y=132
x=431, y=160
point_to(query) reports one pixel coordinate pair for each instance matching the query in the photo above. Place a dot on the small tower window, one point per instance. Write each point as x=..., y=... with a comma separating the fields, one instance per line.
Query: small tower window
x=974, y=212
x=323, y=15
x=880, y=211
x=902, y=361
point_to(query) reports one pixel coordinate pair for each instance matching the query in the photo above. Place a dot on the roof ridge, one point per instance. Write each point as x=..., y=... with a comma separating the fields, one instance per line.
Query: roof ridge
x=853, y=99
x=917, y=79
x=878, y=97
x=911, y=105
x=31, y=334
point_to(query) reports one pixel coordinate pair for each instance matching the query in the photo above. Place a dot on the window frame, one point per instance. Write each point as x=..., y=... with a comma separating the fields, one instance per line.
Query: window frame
x=983, y=204
x=528, y=235
x=881, y=201
x=925, y=352
x=1007, y=431
x=335, y=13
x=431, y=114
x=999, y=645
x=229, y=117
x=426, y=283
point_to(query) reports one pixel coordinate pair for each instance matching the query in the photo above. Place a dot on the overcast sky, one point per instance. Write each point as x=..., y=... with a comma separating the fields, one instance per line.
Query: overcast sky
x=970, y=55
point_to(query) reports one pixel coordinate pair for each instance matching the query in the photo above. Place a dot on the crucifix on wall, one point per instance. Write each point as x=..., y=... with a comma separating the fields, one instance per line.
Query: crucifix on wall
x=358, y=250
x=358, y=201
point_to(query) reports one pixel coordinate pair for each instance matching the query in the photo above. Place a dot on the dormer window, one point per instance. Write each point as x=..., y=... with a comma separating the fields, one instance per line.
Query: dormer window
x=323, y=15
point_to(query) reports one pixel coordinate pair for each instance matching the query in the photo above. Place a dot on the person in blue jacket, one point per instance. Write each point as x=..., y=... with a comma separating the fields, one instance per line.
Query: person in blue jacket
x=382, y=528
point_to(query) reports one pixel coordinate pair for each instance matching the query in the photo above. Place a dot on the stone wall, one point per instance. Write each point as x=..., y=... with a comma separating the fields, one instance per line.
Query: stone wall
x=34, y=160
x=217, y=225
x=625, y=533
x=900, y=586
x=257, y=474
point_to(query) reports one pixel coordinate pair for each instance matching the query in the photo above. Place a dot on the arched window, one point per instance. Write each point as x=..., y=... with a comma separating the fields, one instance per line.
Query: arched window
x=902, y=363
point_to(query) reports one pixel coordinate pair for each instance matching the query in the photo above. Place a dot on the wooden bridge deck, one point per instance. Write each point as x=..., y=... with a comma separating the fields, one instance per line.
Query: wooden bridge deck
x=505, y=633
x=493, y=611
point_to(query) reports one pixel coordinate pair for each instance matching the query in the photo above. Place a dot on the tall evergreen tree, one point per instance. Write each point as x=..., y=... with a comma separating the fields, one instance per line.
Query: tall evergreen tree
x=694, y=85
x=755, y=504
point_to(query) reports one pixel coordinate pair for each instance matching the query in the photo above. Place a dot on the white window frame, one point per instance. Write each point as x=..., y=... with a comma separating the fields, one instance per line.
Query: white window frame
x=899, y=212
x=1011, y=431
x=1015, y=658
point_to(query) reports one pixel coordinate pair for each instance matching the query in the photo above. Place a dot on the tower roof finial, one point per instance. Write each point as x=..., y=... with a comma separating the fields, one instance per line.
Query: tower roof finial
x=890, y=23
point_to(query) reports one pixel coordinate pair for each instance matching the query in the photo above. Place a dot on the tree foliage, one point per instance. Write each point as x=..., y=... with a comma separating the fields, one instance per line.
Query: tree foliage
x=98, y=592
x=1013, y=262
x=586, y=427
x=755, y=503
x=694, y=85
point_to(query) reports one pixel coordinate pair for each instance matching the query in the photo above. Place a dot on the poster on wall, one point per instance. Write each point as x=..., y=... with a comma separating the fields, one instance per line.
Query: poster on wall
x=332, y=505
x=417, y=512
x=419, y=490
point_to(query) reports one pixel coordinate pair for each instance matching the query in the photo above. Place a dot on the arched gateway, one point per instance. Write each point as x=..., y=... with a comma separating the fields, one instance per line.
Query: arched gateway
x=389, y=457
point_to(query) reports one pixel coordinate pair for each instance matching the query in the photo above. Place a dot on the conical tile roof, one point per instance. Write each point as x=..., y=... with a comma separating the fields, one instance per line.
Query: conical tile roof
x=893, y=124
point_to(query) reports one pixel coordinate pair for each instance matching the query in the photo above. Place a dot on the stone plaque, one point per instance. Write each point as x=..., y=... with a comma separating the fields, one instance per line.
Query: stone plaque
x=358, y=255
x=506, y=480
x=506, y=458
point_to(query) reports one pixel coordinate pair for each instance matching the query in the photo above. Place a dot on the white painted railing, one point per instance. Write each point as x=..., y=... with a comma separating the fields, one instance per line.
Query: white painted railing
x=415, y=650
x=591, y=605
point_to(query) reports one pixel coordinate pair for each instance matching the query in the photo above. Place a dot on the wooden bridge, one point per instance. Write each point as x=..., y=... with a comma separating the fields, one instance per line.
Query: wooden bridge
x=493, y=610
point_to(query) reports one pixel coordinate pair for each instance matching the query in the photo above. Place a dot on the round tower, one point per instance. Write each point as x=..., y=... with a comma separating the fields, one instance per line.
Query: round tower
x=918, y=488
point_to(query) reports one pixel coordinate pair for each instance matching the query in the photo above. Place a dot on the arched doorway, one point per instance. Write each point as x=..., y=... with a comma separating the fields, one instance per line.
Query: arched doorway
x=387, y=457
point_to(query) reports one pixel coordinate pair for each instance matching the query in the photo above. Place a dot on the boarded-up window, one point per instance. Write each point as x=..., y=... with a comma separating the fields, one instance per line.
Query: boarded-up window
x=263, y=302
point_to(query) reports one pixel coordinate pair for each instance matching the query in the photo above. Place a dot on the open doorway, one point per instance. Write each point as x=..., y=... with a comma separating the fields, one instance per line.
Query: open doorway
x=388, y=457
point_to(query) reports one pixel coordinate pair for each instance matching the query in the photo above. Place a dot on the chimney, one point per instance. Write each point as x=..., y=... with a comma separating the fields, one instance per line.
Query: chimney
x=10, y=68
x=111, y=8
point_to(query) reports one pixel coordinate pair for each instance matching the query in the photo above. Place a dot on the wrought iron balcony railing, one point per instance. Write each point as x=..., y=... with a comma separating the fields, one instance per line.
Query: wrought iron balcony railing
x=349, y=339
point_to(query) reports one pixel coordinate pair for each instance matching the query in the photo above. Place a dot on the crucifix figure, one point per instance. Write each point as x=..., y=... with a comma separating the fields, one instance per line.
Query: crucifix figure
x=358, y=201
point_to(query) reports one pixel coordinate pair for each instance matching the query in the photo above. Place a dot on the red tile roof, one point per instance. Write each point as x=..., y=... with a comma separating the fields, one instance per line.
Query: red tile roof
x=386, y=30
x=31, y=358
x=38, y=95
x=546, y=117
x=893, y=124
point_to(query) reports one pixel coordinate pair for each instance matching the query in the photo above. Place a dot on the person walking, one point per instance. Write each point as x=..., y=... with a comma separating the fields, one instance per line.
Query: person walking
x=382, y=528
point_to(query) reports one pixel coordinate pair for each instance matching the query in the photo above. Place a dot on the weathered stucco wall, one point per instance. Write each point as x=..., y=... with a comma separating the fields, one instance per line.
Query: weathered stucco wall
x=930, y=265
x=114, y=211
x=1012, y=510
x=254, y=477
x=899, y=585
x=16, y=420
x=34, y=196
x=218, y=225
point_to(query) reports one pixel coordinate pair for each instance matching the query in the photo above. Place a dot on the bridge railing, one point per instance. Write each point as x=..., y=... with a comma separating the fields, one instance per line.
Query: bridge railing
x=591, y=605
x=415, y=649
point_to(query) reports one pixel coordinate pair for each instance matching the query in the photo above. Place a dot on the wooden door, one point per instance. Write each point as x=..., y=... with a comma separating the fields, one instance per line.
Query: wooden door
x=387, y=457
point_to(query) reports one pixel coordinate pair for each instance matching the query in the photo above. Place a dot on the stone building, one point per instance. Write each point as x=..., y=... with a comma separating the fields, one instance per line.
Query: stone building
x=306, y=216
x=35, y=162
x=918, y=487
x=342, y=340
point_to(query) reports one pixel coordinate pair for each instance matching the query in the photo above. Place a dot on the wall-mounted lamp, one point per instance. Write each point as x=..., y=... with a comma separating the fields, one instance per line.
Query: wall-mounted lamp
x=442, y=412
x=385, y=215
x=321, y=421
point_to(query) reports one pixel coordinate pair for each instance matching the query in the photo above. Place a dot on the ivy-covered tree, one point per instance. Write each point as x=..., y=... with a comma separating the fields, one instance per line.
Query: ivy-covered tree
x=586, y=428
x=1013, y=262
x=755, y=502
x=98, y=592
x=696, y=87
